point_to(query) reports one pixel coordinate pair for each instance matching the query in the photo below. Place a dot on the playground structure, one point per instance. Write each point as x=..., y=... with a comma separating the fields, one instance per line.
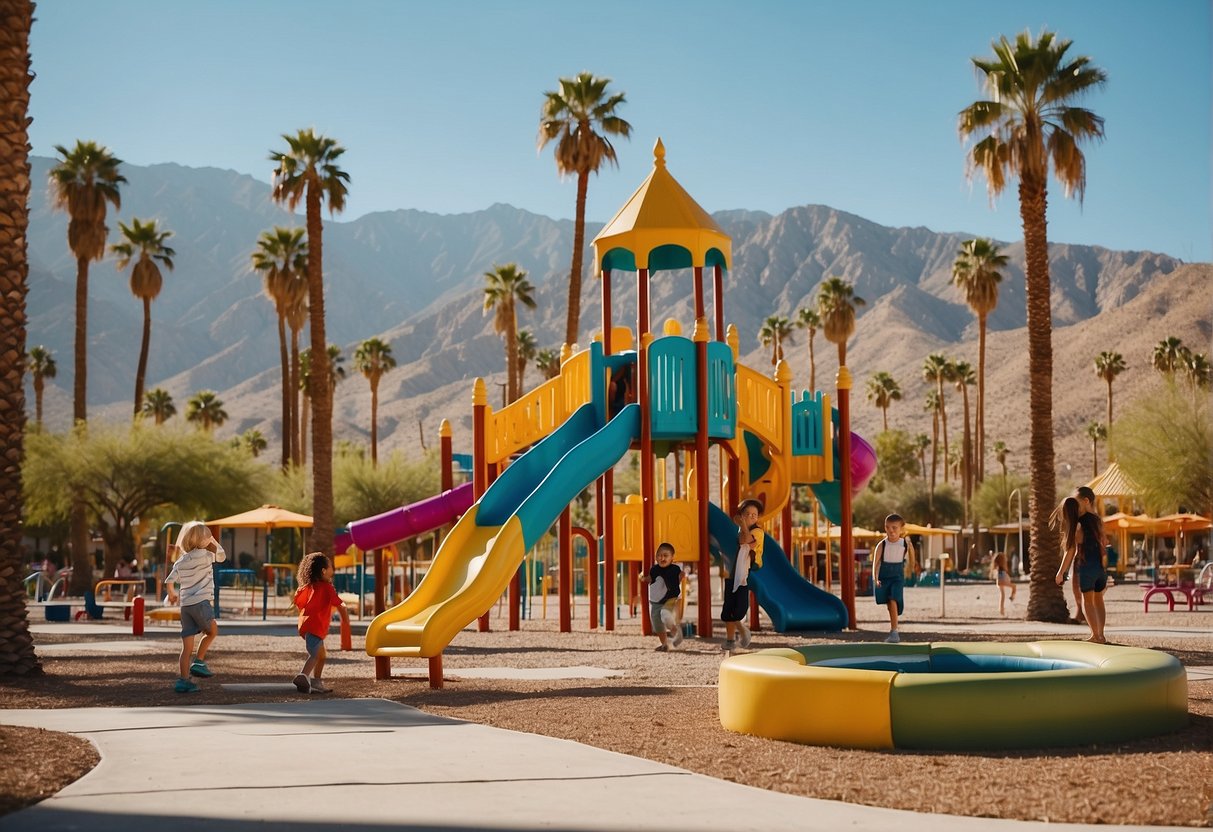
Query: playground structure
x=954, y=696
x=655, y=394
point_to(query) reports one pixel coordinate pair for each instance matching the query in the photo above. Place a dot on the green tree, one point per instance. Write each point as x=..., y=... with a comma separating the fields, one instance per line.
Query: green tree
x=1164, y=444
x=528, y=349
x=581, y=117
x=281, y=259
x=309, y=171
x=205, y=409
x=1198, y=370
x=254, y=442
x=808, y=320
x=1108, y=365
x=1168, y=355
x=363, y=489
x=992, y=499
x=505, y=287
x=145, y=244
x=130, y=472
x=883, y=390
x=84, y=183
x=898, y=455
x=373, y=358
x=774, y=332
x=17, y=657
x=1028, y=127
x=41, y=365
x=158, y=404
x=1097, y=432
x=976, y=272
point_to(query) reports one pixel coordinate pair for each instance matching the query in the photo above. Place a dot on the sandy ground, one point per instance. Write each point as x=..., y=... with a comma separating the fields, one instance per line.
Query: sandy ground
x=613, y=691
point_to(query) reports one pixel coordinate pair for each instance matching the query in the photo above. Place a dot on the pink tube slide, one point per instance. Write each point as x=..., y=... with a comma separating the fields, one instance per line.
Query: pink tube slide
x=411, y=520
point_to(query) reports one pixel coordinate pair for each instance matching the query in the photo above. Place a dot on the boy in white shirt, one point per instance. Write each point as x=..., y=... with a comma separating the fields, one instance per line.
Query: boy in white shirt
x=888, y=568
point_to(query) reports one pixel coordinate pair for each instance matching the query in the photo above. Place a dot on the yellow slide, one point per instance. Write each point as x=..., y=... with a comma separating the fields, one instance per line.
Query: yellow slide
x=471, y=570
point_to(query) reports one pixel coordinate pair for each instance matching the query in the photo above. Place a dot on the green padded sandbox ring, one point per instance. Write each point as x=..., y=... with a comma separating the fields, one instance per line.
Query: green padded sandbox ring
x=855, y=695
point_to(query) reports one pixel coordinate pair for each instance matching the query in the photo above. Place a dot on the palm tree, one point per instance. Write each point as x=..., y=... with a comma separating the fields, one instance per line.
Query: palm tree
x=581, y=117
x=373, y=358
x=205, y=409
x=808, y=319
x=158, y=404
x=1096, y=432
x=1030, y=126
x=1168, y=355
x=774, y=332
x=41, y=365
x=281, y=258
x=547, y=361
x=528, y=348
x=976, y=273
x=144, y=243
x=336, y=374
x=1108, y=365
x=921, y=443
x=296, y=319
x=1000, y=454
x=17, y=657
x=84, y=183
x=1199, y=371
x=964, y=377
x=836, y=303
x=308, y=172
x=254, y=441
x=937, y=369
x=883, y=390
x=504, y=288
x=931, y=405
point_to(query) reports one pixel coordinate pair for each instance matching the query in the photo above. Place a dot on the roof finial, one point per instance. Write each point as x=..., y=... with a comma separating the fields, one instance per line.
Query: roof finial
x=659, y=154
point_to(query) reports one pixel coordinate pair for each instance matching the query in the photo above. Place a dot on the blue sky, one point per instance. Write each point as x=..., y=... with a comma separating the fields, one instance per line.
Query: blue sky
x=762, y=104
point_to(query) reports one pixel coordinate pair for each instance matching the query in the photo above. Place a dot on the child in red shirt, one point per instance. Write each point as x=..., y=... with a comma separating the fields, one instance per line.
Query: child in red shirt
x=316, y=598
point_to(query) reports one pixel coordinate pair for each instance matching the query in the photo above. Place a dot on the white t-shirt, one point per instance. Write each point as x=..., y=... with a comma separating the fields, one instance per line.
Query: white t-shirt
x=893, y=552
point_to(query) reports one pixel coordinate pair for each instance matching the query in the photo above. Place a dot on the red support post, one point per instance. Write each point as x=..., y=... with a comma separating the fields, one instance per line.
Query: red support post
x=566, y=571
x=702, y=482
x=846, y=574
x=606, y=523
x=137, y=615
x=647, y=497
x=448, y=465
x=383, y=664
x=436, y=671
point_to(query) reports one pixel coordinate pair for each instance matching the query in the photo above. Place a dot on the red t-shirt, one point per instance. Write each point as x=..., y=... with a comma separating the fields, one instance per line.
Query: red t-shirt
x=315, y=603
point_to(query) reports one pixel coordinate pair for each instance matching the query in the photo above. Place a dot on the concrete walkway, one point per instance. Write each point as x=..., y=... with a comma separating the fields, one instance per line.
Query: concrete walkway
x=337, y=765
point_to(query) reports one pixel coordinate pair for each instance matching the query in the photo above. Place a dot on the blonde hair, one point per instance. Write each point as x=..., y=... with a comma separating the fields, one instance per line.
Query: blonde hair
x=194, y=535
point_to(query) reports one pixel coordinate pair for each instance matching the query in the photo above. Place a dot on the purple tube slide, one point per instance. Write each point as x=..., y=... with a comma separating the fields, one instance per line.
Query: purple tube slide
x=863, y=462
x=411, y=520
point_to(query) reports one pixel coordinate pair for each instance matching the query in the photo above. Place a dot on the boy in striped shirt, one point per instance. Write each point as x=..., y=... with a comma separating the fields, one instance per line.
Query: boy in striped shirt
x=194, y=577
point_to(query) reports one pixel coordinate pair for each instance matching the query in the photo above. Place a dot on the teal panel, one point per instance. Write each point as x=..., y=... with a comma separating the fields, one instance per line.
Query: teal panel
x=808, y=425
x=618, y=259
x=722, y=393
x=715, y=257
x=759, y=464
x=667, y=257
x=672, y=388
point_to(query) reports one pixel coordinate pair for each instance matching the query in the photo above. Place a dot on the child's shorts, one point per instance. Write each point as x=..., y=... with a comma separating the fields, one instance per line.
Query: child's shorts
x=891, y=586
x=196, y=618
x=670, y=618
x=312, y=643
x=736, y=604
x=1093, y=579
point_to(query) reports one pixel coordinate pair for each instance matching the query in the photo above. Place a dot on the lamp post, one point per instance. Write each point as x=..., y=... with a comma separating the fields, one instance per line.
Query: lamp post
x=1023, y=561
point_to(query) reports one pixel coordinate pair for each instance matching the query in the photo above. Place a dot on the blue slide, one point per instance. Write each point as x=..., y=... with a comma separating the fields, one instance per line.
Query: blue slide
x=792, y=603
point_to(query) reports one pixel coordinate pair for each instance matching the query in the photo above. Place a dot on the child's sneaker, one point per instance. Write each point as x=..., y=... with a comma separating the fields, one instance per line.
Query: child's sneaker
x=677, y=636
x=728, y=647
x=745, y=633
x=316, y=686
x=661, y=648
x=199, y=668
x=893, y=638
x=185, y=686
x=302, y=684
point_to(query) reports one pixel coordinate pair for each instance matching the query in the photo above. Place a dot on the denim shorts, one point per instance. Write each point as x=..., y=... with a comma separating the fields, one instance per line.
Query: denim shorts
x=892, y=583
x=197, y=618
x=312, y=643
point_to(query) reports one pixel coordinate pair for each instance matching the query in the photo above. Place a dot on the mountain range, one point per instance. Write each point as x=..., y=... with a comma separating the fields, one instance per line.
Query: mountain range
x=414, y=279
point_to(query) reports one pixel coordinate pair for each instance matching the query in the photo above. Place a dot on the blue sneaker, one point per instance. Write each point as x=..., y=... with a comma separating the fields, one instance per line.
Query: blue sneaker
x=199, y=668
x=185, y=686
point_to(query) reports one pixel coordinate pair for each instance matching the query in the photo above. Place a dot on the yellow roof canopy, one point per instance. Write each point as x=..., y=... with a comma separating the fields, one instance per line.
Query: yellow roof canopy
x=1113, y=483
x=661, y=227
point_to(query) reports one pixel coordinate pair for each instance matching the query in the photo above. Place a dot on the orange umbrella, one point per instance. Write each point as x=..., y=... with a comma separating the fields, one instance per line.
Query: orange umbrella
x=266, y=517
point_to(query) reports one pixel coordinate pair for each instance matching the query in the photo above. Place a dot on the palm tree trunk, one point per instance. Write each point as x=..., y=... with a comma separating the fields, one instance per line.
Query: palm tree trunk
x=812, y=364
x=17, y=656
x=574, y=315
x=82, y=558
x=39, y=386
x=934, y=461
x=141, y=371
x=943, y=421
x=884, y=412
x=981, y=398
x=374, y=422
x=511, y=351
x=321, y=384
x=286, y=392
x=305, y=407
x=297, y=428
x=1109, y=405
x=1046, y=601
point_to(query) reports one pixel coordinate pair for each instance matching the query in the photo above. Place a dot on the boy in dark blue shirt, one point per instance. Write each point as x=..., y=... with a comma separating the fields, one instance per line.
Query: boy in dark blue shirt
x=665, y=587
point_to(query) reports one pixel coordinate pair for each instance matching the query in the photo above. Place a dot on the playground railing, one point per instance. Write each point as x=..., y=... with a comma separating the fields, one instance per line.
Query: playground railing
x=537, y=413
x=761, y=404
